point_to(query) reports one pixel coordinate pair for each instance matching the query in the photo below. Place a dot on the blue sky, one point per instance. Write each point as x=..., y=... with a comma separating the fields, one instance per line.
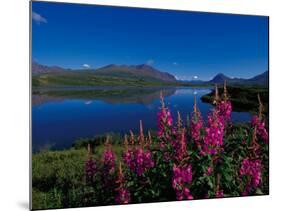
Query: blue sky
x=186, y=44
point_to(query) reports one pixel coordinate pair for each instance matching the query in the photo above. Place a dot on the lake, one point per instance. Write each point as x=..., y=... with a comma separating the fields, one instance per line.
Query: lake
x=61, y=116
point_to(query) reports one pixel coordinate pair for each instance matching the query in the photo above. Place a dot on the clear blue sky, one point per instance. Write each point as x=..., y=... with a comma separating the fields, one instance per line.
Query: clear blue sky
x=185, y=44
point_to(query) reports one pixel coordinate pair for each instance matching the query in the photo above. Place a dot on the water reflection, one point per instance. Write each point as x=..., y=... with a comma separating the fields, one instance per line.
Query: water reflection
x=107, y=94
x=61, y=116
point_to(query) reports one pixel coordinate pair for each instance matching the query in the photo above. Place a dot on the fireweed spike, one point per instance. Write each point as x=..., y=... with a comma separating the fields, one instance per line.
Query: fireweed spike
x=225, y=95
x=196, y=124
x=90, y=166
x=261, y=108
x=132, y=138
x=195, y=106
x=123, y=194
x=126, y=143
x=141, y=136
x=217, y=98
x=179, y=120
x=149, y=139
x=108, y=158
x=258, y=123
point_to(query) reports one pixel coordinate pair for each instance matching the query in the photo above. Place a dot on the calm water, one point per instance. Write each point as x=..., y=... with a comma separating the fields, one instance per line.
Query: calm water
x=59, y=117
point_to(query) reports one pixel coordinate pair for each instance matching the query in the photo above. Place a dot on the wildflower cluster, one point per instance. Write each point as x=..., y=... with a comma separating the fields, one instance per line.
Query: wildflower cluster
x=252, y=169
x=109, y=161
x=195, y=161
x=224, y=109
x=138, y=157
x=214, y=132
x=90, y=166
x=259, y=124
x=182, y=178
x=196, y=125
x=123, y=194
x=164, y=119
x=138, y=160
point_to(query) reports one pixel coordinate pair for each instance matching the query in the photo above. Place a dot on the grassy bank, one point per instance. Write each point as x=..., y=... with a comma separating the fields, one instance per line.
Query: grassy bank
x=58, y=177
x=59, y=180
x=243, y=98
x=88, y=78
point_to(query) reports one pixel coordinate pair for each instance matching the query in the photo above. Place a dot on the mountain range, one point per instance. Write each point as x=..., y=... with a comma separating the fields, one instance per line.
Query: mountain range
x=261, y=79
x=141, y=72
x=126, y=75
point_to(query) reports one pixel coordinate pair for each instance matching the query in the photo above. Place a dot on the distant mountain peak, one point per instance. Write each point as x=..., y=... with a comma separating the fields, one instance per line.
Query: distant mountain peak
x=39, y=68
x=261, y=79
x=220, y=75
x=141, y=71
x=220, y=78
x=140, y=66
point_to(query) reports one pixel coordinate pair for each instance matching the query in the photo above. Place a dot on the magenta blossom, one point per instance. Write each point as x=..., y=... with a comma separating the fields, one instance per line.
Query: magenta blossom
x=138, y=160
x=209, y=171
x=219, y=194
x=253, y=169
x=260, y=125
x=224, y=109
x=164, y=120
x=180, y=145
x=213, y=139
x=196, y=126
x=182, y=177
x=109, y=161
x=123, y=194
x=90, y=169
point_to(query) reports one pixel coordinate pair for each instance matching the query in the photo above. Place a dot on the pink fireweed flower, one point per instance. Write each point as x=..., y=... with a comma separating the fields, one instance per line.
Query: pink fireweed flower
x=90, y=166
x=219, y=193
x=258, y=122
x=143, y=160
x=164, y=118
x=182, y=177
x=196, y=123
x=224, y=109
x=260, y=126
x=148, y=141
x=209, y=171
x=180, y=145
x=213, y=139
x=123, y=194
x=90, y=169
x=196, y=127
x=138, y=160
x=141, y=136
x=109, y=159
x=128, y=157
x=253, y=169
x=108, y=169
x=223, y=105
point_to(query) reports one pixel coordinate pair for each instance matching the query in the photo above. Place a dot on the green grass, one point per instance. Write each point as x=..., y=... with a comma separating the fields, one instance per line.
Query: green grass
x=58, y=176
x=54, y=174
x=88, y=78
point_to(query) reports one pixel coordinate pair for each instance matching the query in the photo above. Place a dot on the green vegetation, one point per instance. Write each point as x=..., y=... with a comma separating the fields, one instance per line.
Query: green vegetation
x=59, y=181
x=89, y=78
x=55, y=176
x=243, y=98
x=58, y=177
